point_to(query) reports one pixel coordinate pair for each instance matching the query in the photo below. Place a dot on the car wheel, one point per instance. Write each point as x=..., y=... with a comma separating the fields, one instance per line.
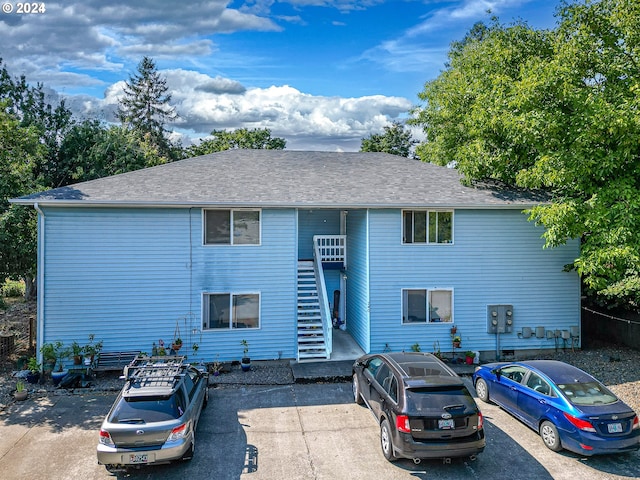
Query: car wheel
x=355, y=385
x=385, y=441
x=482, y=389
x=550, y=437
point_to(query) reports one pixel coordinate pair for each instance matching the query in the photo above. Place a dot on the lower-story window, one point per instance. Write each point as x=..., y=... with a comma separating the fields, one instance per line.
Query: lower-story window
x=231, y=310
x=427, y=306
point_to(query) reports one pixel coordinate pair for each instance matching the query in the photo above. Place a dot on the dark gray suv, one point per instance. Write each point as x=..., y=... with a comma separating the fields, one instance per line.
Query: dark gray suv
x=155, y=416
x=422, y=406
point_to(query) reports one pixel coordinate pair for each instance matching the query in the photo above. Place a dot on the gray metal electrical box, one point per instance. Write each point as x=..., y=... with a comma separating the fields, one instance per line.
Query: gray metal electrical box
x=499, y=319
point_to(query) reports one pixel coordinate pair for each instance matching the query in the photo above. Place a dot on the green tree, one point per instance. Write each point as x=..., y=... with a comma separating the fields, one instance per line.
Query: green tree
x=20, y=151
x=259, y=138
x=556, y=111
x=145, y=107
x=395, y=140
x=93, y=150
x=51, y=122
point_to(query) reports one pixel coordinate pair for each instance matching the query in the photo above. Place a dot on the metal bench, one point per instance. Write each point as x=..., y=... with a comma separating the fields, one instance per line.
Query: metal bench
x=111, y=361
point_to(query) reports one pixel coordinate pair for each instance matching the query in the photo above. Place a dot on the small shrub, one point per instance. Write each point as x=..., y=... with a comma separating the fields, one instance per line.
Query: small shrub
x=13, y=288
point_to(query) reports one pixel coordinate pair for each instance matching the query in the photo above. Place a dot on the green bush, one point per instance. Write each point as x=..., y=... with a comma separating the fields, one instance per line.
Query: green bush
x=13, y=288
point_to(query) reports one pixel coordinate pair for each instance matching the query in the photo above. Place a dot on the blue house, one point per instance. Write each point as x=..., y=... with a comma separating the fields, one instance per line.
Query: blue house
x=280, y=247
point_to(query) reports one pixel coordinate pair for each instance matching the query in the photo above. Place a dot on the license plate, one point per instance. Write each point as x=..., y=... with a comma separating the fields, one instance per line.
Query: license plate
x=614, y=427
x=446, y=424
x=138, y=458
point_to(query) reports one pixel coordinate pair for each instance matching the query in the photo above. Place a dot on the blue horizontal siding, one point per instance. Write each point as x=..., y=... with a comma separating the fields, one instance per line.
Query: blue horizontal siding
x=119, y=274
x=357, y=285
x=497, y=258
x=130, y=276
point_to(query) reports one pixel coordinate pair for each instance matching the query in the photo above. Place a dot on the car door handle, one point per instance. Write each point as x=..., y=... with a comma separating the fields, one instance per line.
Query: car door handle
x=513, y=388
x=542, y=401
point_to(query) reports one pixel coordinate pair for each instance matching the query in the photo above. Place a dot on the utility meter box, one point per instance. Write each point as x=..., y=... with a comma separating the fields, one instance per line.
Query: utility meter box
x=499, y=319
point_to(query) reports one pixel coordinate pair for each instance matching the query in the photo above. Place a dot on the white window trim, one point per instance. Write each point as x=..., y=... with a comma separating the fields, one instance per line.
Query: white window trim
x=453, y=218
x=231, y=244
x=428, y=291
x=205, y=311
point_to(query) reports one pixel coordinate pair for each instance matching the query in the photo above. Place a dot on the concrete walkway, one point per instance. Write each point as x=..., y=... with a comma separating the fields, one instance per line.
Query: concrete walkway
x=341, y=370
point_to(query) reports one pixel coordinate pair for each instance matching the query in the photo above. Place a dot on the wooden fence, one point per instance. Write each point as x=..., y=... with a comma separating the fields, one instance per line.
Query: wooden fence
x=611, y=329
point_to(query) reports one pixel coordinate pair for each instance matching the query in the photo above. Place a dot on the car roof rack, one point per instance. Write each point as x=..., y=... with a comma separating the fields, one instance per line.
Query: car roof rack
x=155, y=371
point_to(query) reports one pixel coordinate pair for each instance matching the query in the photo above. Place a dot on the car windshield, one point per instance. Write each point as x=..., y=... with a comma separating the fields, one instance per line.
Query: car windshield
x=424, y=399
x=590, y=393
x=146, y=410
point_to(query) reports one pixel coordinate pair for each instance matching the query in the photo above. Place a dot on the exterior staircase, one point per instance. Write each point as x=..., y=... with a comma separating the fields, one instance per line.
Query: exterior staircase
x=311, y=341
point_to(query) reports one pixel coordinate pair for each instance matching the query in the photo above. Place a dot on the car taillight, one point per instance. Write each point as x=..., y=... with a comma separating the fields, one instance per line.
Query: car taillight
x=480, y=421
x=177, y=433
x=580, y=424
x=105, y=439
x=402, y=424
x=636, y=423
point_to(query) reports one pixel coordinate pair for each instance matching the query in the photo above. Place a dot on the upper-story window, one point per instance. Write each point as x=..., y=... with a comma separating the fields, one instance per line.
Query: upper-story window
x=427, y=226
x=232, y=227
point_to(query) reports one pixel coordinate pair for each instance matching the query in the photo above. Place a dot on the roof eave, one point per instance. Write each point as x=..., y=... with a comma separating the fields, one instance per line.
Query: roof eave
x=197, y=204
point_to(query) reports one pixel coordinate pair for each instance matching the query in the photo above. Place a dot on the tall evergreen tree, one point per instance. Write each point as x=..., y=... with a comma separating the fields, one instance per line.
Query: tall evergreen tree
x=145, y=106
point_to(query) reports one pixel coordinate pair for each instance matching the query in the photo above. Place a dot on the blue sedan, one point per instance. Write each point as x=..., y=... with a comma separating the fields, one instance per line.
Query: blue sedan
x=568, y=407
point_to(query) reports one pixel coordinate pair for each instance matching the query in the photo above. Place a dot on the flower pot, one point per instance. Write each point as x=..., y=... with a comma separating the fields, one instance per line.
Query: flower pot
x=469, y=360
x=33, y=377
x=77, y=359
x=456, y=344
x=176, y=346
x=245, y=364
x=21, y=395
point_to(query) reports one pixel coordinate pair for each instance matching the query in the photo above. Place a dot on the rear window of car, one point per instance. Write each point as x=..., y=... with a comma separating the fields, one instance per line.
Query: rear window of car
x=590, y=393
x=147, y=409
x=424, y=399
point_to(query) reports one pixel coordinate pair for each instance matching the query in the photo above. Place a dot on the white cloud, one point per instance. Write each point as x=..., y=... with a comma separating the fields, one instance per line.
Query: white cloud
x=70, y=47
x=306, y=121
x=416, y=51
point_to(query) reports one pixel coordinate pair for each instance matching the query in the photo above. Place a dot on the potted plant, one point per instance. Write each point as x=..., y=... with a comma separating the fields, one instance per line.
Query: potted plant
x=216, y=367
x=415, y=347
x=176, y=345
x=48, y=351
x=469, y=356
x=62, y=353
x=91, y=349
x=456, y=341
x=21, y=391
x=76, y=352
x=34, y=370
x=246, y=361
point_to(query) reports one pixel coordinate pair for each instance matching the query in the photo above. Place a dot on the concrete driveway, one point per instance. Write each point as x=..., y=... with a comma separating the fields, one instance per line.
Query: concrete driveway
x=300, y=431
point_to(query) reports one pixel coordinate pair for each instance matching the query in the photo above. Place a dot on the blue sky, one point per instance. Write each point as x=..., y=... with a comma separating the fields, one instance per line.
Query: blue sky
x=322, y=74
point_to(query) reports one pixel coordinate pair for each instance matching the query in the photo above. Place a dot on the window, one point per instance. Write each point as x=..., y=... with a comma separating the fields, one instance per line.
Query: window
x=231, y=311
x=218, y=227
x=536, y=383
x=427, y=226
x=427, y=306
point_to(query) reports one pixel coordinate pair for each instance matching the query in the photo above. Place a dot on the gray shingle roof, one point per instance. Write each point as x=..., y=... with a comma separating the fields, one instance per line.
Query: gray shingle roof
x=284, y=178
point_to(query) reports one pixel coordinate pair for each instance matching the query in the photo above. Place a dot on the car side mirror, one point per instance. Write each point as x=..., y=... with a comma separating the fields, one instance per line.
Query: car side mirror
x=497, y=372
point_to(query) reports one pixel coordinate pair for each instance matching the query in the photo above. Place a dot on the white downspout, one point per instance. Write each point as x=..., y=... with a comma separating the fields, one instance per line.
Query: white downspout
x=40, y=282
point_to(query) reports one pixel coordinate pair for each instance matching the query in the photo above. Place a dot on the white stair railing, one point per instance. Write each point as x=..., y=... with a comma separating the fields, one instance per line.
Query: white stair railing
x=331, y=248
x=327, y=325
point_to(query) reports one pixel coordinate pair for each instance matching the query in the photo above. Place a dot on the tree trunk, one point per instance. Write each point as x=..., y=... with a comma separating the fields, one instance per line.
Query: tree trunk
x=30, y=288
